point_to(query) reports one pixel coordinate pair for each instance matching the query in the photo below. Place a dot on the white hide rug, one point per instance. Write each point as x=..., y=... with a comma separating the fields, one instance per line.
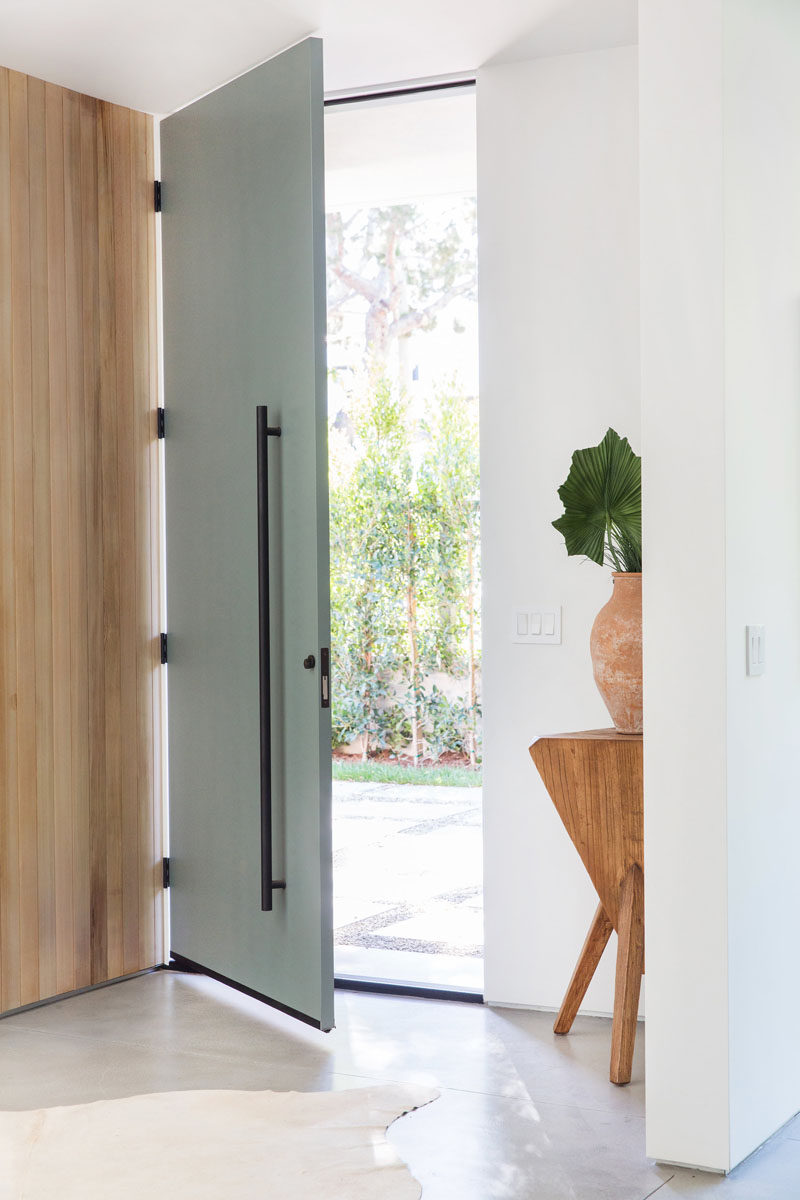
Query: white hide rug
x=212, y=1145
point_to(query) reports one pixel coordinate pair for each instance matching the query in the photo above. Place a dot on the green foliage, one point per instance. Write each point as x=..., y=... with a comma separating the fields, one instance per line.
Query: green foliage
x=449, y=724
x=368, y=484
x=394, y=728
x=404, y=571
x=449, y=479
x=602, y=497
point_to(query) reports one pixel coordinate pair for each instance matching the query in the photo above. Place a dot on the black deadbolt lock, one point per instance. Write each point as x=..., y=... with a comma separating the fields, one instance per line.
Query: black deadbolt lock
x=310, y=662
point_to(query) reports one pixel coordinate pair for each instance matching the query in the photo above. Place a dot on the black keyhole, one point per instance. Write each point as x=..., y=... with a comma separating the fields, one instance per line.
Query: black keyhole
x=309, y=662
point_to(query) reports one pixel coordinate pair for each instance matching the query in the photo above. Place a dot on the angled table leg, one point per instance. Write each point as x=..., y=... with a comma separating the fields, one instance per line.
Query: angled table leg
x=630, y=963
x=595, y=780
x=596, y=941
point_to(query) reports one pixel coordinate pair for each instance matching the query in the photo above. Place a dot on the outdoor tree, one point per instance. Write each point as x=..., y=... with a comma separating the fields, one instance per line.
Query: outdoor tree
x=369, y=479
x=382, y=530
x=403, y=485
x=451, y=469
x=406, y=265
x=404, y=573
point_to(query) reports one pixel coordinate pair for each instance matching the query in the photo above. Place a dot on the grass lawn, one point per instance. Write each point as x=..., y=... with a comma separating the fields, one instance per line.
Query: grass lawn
x=369, y=772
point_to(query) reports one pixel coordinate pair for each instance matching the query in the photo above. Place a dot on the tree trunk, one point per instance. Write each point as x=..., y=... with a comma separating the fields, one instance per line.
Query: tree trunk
x=412, y=637
x=368, y=701
x=473, y=692
x=411, y=600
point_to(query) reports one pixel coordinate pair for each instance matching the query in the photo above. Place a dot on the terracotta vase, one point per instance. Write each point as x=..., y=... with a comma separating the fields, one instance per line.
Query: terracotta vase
x=616, y=645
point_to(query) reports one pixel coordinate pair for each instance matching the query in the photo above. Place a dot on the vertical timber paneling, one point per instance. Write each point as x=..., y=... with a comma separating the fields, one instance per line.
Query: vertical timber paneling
x=80, y=816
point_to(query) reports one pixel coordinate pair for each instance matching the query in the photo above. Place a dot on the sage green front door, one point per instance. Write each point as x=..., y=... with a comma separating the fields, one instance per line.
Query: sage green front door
x=247, y=534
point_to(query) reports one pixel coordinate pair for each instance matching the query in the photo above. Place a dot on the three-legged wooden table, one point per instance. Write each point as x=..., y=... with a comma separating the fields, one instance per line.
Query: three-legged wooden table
x=595, y=781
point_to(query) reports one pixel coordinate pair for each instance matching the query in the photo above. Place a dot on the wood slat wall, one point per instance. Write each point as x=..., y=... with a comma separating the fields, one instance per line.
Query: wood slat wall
x=80, y=805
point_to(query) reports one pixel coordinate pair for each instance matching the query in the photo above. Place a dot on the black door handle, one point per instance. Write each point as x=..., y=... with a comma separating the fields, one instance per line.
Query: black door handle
x=264, y=431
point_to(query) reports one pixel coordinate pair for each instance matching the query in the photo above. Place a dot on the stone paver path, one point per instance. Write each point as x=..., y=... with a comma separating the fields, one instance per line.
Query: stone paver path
x=407, y=882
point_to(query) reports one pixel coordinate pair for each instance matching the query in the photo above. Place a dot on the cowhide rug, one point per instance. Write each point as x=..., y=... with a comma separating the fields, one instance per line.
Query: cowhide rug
x=223, y=1145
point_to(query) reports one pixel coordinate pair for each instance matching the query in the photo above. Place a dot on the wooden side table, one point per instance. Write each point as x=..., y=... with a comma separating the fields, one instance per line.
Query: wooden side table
x=595, y=781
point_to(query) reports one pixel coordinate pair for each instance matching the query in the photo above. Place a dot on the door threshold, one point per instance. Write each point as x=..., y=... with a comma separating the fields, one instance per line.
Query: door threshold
x=393, y=987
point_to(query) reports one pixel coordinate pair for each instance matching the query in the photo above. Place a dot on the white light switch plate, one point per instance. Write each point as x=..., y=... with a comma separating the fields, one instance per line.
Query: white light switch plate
x=756, y=649
x=537, y=625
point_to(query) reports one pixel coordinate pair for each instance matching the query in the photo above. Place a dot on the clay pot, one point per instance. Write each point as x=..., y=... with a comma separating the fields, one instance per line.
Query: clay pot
x=616, y=645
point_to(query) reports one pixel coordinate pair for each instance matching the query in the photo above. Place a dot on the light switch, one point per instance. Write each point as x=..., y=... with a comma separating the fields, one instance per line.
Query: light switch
x=537, y=625
x=756, y=640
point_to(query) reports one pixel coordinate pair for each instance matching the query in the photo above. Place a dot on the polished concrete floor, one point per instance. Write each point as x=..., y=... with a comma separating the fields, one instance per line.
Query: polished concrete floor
x=523, y=1115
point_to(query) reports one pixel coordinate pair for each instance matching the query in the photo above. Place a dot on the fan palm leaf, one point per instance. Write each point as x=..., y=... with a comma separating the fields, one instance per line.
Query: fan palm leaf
x=602, y=498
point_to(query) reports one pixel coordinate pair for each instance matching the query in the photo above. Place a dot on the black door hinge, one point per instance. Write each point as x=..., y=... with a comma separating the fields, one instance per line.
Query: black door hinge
x=165, y=872
x=157, y=195
x=161, y=422
x=163, y=649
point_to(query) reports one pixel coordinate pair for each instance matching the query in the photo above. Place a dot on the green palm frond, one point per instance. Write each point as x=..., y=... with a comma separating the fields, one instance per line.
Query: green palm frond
x=602, y=498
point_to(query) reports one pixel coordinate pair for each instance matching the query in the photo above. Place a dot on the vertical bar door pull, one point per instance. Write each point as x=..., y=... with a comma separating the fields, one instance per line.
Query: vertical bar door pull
x=264, y=431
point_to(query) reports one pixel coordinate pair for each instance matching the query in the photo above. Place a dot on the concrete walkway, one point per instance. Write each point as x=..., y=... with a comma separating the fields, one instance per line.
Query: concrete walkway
x=407, y=883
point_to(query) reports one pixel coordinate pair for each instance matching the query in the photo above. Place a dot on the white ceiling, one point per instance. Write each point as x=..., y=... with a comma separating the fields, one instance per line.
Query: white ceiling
x=157, y=55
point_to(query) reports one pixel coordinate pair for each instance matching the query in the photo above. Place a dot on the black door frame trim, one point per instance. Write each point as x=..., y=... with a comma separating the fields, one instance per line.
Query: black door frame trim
x=390, y=987
x=358, y=983
x=394, y=93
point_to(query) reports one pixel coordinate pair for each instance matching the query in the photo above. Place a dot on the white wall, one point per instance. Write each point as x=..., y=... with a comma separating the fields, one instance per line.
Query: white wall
x=684, y=580
x=762, y=437
x=559, y=273
x=720, y=205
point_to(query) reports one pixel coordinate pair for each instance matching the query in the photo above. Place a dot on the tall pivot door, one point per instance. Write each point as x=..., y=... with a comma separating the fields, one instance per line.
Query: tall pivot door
x=247, y=535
